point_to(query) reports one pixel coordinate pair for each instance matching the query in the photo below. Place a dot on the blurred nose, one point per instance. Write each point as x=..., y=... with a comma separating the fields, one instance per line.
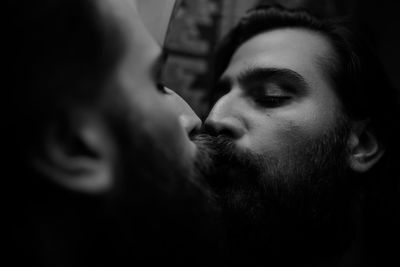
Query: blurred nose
x=190, y=121
x=187, y=117
x=225, y=118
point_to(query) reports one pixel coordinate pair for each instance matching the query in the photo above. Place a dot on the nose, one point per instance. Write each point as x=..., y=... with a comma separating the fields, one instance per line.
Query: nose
x=225, y=119
x=187, y=117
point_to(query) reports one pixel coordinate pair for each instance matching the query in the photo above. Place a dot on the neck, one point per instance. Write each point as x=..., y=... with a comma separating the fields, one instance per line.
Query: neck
x=56, y=227
x=352, y=256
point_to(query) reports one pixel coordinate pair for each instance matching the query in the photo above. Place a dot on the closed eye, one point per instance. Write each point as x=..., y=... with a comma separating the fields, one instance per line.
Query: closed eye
x=272, y=87
x=271, y=101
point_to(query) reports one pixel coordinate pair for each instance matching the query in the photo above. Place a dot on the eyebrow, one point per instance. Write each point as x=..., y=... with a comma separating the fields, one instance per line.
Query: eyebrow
x=289, y=79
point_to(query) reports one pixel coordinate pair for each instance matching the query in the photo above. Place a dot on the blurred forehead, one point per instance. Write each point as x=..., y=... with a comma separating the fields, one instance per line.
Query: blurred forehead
x=153, y=15
x=156, y=15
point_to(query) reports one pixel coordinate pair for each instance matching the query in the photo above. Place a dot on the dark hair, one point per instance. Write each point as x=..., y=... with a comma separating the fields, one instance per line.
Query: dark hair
x=354, y=69
x=58, y=53
x=360, y=82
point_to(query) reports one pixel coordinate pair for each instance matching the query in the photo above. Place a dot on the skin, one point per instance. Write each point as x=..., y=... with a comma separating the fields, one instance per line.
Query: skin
x=131, y=95
x=166, y=114
x=278, y=106
x=261, y=114
x=288, y=155
x=106, y=180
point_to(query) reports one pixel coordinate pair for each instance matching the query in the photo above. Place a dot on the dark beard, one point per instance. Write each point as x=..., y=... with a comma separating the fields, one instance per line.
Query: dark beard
x=293, y=211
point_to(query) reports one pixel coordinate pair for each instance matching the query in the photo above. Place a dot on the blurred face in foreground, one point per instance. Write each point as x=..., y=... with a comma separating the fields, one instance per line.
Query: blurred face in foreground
x=162, y=116
x=112, y=143
x=131, y=121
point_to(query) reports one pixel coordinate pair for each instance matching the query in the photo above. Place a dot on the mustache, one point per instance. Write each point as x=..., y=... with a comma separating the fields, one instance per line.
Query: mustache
x=229, y=164
x=223, y=149
x=217, y=146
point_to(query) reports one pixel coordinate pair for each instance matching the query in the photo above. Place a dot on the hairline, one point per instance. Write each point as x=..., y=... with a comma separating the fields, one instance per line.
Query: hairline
x=328, y=62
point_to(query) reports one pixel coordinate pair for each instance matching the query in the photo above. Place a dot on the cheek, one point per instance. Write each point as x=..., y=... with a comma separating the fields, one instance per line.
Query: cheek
x=283, y=130
x=174, y=102
x=311, y=117
x=154, y=117
x=171, y=127
x=275, y=137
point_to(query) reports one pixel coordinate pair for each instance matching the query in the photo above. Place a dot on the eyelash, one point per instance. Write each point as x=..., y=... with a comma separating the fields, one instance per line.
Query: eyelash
x=271, y=101
x=161, y=88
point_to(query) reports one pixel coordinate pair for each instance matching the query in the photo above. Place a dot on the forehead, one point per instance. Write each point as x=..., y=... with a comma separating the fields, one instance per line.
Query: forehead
x=294, y=48
x=153, y=15
x=123, y=16
x=156, y=15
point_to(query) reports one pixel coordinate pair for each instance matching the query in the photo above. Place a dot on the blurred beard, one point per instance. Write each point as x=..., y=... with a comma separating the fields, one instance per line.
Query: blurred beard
x=279, y=209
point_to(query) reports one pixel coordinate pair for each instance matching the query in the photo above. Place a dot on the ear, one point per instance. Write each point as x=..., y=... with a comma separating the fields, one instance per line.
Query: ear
x=77, y=153
x=364, y=148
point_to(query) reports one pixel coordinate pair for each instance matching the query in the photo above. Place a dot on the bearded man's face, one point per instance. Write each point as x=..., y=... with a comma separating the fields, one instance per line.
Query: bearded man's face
x=295, y=203
x=280, y=141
